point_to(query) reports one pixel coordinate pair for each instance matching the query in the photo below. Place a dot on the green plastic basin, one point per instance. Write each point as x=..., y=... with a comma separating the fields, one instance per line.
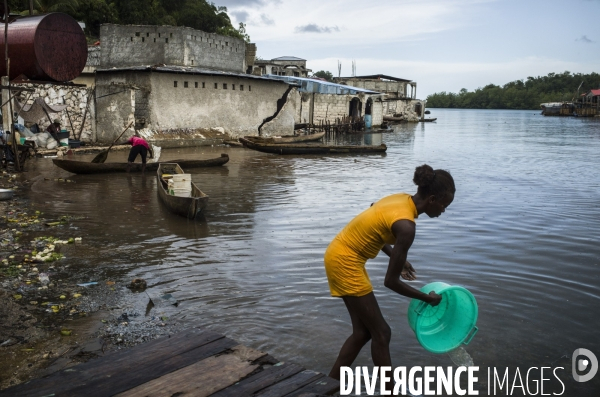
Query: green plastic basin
x=446, y=326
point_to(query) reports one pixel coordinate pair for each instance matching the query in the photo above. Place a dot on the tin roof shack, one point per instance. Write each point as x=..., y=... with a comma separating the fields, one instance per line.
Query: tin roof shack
x=319, y=101
x=283, y=66
x=400, y=93
x=176, y=105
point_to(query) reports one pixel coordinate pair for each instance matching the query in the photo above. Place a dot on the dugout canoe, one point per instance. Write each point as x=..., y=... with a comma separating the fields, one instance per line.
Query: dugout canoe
x=188, y=207
x=85, y=167
x=287, y=138
x=311, y=149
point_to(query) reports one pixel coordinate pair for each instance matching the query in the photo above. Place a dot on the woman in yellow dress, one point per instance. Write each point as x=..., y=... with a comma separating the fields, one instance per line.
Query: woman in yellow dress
x=389, y=221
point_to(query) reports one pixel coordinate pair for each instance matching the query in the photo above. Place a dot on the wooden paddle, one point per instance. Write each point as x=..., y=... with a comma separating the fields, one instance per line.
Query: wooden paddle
x=101, y=157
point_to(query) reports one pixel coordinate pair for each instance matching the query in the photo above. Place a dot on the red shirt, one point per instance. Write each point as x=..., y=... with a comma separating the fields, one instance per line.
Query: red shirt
x=136, y=141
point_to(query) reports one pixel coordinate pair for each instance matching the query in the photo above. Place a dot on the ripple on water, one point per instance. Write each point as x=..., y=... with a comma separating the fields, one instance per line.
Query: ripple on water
x=521, y=235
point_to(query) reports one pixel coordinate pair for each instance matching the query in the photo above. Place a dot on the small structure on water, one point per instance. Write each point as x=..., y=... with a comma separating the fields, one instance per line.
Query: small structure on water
x=400, y=102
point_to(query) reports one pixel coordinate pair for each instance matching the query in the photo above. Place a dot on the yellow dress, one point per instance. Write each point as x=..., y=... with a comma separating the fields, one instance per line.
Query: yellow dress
x=362, y=239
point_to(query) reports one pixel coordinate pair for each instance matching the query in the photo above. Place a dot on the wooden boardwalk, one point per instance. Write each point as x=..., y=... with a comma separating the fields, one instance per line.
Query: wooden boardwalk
x=194, y=363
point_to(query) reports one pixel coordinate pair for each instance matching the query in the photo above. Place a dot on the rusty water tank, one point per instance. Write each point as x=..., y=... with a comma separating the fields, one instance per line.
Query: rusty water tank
x=44, y=47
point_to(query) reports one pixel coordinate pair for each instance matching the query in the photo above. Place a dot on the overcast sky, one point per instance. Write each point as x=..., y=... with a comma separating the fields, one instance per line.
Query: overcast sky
x=443, y=45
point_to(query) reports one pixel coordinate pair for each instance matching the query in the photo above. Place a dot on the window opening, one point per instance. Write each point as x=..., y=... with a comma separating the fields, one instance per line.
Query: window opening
x=175, y=83
x=233, y=87
x=185, y=84
x=203, y=86
x=216, y=86
x=241, y=87
x=224, y=86
x=195, y=84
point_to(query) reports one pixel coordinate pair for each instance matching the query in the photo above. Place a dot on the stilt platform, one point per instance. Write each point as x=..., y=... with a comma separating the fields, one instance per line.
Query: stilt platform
x=194, y=362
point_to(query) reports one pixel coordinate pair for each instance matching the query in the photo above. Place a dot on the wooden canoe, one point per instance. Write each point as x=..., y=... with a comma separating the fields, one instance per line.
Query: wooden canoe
x=310, y=149
x=428, y=120
x=189, y=207
x=85, y=167
x=287, y=138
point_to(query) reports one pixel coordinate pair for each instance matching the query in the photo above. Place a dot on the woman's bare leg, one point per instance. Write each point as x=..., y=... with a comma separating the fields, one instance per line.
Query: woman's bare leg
x=367, y=324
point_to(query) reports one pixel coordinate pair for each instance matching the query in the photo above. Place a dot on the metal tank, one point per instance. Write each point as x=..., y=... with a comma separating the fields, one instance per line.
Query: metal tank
x=44, y=47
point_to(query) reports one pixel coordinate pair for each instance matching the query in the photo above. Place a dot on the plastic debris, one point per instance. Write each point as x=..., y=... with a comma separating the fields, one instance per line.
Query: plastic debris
x=88, y=284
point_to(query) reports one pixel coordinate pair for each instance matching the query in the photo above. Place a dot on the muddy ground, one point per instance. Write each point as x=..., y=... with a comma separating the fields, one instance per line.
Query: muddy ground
x=50, y=319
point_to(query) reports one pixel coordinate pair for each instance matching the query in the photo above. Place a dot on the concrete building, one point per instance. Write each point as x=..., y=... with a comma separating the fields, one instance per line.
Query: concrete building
x=401, y=94
x=135, y=45
x=88, y=75
x=283, y=66
x=176, y=105
x=319, y=101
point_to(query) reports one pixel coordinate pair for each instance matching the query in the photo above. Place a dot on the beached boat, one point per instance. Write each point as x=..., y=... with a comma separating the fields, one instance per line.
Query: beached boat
x=190, y=206
x=287, y=138
x=86, y=167
x=307, y=148
x=427, y=120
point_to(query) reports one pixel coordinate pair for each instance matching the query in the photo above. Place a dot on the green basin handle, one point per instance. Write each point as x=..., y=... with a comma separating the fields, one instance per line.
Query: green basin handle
x=420, y=307
x=474, y=331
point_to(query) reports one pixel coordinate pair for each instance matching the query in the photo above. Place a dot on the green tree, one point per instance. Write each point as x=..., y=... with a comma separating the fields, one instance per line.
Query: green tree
x=324, y=75
x=519, y=94
x=94, y=13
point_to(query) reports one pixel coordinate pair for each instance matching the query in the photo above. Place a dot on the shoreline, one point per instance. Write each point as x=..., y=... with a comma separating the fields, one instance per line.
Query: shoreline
x=49, y=321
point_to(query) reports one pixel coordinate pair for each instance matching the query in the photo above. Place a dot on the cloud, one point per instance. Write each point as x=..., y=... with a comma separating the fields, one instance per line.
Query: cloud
x=585, y=39
x=240, y=16
x=314, y=28
x=266, y=20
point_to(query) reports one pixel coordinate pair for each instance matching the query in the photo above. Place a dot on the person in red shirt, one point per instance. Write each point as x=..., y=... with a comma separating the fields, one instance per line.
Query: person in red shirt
x=141, y=147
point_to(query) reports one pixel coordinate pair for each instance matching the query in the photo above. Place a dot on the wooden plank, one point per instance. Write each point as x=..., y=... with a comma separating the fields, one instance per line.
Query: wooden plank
x=290, y=384
x=202, y=378
x=129, y=376
x=260, y=380
x=322, y=386
x=82, y=374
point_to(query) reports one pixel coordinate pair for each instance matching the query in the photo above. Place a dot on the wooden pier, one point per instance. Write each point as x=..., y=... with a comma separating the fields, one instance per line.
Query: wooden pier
x=194, y=363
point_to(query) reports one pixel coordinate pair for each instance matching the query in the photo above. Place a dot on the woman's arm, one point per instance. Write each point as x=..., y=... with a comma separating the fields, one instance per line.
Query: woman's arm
x=404, y=230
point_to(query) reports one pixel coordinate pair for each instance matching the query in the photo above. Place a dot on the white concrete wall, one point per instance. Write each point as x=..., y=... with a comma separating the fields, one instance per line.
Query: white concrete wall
x=239, y=112
x=403, y=107
x=134, y=45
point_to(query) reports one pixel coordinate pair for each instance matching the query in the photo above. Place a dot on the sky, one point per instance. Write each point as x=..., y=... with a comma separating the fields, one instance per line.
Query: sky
x=442, y=45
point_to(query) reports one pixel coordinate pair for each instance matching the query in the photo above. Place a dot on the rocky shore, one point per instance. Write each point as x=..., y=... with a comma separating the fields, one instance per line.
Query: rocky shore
x=54, y=313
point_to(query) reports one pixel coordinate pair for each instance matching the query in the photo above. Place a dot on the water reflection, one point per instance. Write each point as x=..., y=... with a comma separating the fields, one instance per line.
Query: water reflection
x=521, y=235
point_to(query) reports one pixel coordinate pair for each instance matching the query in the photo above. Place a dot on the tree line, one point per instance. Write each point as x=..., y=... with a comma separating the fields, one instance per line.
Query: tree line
x=197, y=14
x=519, y=94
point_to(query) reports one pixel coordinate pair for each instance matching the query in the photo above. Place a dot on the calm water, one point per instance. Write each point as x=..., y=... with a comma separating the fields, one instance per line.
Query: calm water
x=522, y=235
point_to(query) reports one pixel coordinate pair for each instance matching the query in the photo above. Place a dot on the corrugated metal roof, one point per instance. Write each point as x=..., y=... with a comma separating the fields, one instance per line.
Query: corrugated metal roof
x=374, y=77
x=189, y=70
x=595, y=92
x=321, y=87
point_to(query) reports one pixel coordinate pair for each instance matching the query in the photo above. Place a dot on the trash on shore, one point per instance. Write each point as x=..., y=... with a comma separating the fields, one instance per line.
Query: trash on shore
x=137, y=283
x=88, y=284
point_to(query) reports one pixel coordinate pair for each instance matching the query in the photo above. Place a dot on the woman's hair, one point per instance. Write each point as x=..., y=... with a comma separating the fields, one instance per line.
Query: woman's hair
x=433, y=182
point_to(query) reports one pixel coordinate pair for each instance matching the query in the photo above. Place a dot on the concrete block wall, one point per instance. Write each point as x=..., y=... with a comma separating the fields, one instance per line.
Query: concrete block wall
x=135, y=45
x=330, y=106
x=75, y=98
x=238, y=105
x=404, y=107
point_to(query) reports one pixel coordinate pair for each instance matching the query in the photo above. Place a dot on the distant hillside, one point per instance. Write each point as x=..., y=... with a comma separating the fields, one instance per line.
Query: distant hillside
x=197, y=14
x=518, y=94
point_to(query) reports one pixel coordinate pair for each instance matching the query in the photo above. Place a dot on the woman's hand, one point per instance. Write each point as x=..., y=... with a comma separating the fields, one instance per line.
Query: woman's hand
x=435, y=299
x=408, y=272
